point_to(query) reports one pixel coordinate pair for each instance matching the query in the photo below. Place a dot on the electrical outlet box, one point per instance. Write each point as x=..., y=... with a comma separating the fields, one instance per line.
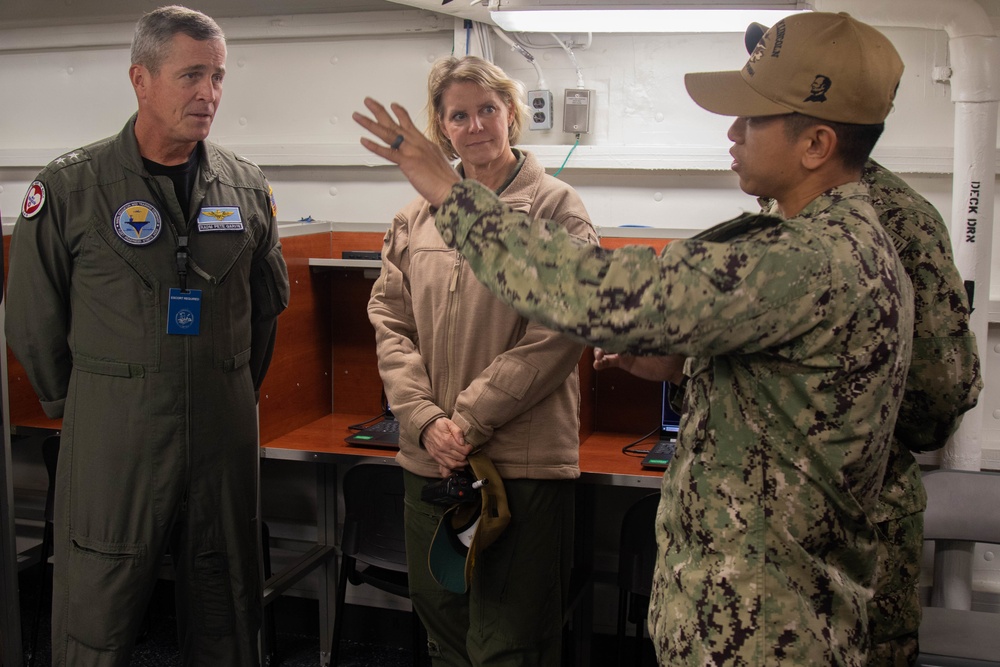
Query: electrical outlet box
x=540, y=106
x=576, y=110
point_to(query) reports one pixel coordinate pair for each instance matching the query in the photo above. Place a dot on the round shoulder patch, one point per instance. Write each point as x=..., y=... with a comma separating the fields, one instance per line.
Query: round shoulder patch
x=34, y=198
x=137, y=223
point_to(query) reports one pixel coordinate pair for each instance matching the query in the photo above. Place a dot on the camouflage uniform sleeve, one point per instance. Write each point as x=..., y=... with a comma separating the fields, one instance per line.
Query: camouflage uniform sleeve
x=944, y=379
x=698, y=298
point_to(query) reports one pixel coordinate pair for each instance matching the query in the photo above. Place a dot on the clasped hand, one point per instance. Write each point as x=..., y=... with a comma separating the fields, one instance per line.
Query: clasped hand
x=445, y=443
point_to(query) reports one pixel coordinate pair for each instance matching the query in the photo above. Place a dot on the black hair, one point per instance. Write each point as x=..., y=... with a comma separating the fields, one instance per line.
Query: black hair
x=854, y=142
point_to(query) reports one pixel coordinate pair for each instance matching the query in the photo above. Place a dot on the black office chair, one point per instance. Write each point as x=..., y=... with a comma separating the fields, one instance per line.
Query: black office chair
x=963, y=508
x=373, y=545
x=50, y=455
x=636, y=557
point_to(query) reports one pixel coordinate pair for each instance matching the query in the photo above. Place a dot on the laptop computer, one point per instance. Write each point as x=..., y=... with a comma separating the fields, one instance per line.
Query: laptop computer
x=660, y=453
x=383, y=434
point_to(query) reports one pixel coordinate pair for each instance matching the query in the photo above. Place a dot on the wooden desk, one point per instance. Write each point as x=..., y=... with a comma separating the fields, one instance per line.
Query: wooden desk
x=322, y=441
x=602, y=462
x=601, y=458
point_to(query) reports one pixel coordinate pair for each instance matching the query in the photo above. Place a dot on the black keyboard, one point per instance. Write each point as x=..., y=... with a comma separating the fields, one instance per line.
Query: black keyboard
x=660, y=454
x=384, y=426
x=380, y=434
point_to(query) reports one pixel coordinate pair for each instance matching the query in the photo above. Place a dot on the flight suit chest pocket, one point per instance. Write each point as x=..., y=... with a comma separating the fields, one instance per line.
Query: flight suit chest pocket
x=116, y=300
x=228, y=259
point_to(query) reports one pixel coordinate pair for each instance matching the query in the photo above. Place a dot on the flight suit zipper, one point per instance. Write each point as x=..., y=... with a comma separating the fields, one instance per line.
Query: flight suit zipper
x=177, y=234
x=186, y=491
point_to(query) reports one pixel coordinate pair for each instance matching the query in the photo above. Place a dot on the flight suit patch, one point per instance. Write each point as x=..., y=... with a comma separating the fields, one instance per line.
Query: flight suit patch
x=220, y=219
x=137, y=223
x=34, y=198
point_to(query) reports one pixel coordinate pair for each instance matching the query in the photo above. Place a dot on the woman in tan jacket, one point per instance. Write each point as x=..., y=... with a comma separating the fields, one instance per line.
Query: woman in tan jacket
x=463, y=373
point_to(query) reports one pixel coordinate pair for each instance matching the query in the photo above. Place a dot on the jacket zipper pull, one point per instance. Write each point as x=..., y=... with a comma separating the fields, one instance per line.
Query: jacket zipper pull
x=454, y=274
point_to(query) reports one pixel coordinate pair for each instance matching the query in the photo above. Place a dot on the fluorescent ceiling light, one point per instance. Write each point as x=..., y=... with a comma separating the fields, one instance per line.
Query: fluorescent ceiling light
x=635, y=20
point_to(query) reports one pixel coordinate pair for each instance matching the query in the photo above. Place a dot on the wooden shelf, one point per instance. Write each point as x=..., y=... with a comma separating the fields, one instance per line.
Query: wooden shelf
x=330, y=263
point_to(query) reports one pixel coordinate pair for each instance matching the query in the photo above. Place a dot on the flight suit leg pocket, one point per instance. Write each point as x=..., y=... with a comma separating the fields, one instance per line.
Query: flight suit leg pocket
x=109, y=584
x=213, y=594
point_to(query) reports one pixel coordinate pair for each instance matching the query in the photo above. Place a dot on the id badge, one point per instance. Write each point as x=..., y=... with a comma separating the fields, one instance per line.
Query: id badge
x=184, y=312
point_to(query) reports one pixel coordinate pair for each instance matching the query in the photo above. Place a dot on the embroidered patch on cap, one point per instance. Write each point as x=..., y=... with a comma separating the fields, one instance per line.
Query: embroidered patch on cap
x=220, y=219
x=818, y=88
x=33, y=199
x=137, y=223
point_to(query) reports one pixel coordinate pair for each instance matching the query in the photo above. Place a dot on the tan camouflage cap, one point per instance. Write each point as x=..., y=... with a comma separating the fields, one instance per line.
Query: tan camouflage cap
x=830, y=66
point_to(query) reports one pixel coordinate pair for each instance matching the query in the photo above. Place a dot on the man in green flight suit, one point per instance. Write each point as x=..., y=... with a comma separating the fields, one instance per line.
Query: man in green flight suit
x=145, y=281
x=799, y=329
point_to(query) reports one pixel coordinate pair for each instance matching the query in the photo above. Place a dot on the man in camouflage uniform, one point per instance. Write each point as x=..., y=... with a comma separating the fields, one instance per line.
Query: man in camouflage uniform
x=943, y=382
x=798, y=328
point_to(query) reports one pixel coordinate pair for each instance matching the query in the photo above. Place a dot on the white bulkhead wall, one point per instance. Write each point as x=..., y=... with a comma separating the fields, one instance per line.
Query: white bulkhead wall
x=653, y=157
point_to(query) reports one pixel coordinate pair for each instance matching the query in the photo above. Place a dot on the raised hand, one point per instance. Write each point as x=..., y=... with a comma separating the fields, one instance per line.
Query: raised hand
x=421, y=161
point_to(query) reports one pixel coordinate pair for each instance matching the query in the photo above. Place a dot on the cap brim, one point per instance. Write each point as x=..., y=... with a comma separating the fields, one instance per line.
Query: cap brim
x=495, y=512
x=447, y=559
x=728, y=94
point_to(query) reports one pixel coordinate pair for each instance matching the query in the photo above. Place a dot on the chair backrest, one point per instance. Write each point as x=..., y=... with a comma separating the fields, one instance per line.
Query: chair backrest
x=962, y=505
x=373, y=515
x=637, y=547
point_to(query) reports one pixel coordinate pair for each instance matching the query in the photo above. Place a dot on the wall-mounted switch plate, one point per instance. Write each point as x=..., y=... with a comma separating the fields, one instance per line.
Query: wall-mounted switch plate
x=576, y=110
